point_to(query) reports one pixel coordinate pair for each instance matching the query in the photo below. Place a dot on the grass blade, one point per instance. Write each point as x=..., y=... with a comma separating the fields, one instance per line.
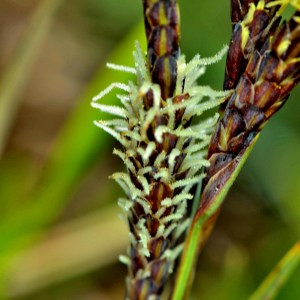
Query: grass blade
x=15, y=75
x=278, y=276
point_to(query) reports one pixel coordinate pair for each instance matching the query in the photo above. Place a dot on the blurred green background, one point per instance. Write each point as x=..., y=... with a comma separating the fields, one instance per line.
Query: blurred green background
x=60, y=236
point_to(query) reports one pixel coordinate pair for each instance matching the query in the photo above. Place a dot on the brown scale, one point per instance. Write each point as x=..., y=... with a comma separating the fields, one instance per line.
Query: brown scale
x=141, y=289
x=163, y=35
x=263, y=24
x=262, y=90
x=157, y=246
x=239, y=9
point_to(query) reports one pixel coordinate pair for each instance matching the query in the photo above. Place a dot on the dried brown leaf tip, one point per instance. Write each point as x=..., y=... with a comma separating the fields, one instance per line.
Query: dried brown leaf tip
x=270, y=75
x=162, y=151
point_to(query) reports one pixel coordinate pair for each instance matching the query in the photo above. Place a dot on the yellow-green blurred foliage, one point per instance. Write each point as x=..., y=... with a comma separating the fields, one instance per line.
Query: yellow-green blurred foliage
x=59, y=232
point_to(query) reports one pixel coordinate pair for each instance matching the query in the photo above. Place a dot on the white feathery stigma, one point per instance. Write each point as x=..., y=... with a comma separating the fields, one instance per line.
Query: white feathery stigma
x=141, y=155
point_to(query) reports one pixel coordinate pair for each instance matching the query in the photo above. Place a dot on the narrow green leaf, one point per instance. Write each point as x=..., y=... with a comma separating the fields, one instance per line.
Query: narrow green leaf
x=16, y=74
x=278, y=276
x=200, y=229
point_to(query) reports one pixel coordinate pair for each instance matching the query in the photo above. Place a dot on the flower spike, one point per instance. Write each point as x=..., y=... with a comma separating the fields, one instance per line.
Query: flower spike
x=162, y=152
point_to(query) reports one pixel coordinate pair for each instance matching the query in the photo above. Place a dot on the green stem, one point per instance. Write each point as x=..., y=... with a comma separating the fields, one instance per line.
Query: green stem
x=278, y=276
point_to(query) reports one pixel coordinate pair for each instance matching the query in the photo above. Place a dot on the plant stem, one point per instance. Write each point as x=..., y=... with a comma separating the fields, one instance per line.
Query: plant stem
x=278, y=276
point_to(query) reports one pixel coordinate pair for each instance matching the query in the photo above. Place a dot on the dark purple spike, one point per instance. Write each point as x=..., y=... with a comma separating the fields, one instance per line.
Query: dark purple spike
x=249, y=32
x=233, y=123
x=157, y=247
x=234, y=59
x=266, y=94
x=218, y=162
x=163, y=40
x=253, y=116
x=252, y=67
x=159, y=270
x=165, y=74
x=218, y=142
x=245, y=92
x=270, y=68
x=158, y=193
x=260, y=21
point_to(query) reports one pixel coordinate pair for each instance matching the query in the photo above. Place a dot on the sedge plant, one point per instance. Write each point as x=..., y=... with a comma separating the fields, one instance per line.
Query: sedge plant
x=164, y=151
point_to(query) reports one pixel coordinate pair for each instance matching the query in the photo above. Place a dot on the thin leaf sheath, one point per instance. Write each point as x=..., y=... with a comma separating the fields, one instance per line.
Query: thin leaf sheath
x=262, y=90
x=252, y=23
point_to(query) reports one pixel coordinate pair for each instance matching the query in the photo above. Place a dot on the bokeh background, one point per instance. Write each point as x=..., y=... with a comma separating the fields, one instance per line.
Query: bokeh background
x=60, y=235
